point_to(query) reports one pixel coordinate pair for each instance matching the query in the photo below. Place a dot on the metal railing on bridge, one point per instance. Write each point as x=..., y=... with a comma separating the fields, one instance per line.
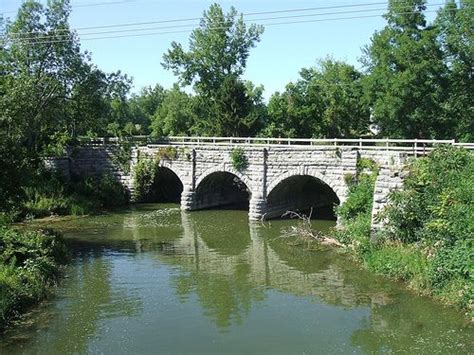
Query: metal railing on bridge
x=414, y=146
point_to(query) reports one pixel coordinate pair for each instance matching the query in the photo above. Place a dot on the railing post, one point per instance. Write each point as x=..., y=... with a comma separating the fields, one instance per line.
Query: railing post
x=386, y=143
x=335, y=142
x=415, y=148
x=360, y=142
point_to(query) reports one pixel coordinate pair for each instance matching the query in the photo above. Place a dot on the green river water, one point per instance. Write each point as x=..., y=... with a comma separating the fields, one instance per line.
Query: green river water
x=154, y=280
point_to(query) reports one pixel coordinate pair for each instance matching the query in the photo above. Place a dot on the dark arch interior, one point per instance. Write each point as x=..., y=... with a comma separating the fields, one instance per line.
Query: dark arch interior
x=223, y=190
x=301, y=193
x=167, y=187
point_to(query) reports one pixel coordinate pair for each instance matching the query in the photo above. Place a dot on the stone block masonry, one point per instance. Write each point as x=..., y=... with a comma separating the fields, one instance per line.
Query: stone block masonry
x=269, y=168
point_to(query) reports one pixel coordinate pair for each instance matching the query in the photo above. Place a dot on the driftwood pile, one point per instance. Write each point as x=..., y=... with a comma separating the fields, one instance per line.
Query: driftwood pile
x=303, y=232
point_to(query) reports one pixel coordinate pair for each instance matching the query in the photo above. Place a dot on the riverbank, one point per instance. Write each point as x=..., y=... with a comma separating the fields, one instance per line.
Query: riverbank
x=30, y=264
x=427, y=238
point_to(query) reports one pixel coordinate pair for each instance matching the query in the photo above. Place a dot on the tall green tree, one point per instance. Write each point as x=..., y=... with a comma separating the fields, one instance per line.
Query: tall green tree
x=406, y=85
x=176, y=115
x=216, y=58
x=49, y=92
x=455, y=24
x=144, y=105
x=327, y=101
x=52, y=91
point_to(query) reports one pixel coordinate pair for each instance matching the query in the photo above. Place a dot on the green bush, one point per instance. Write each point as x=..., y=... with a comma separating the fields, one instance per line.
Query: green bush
x=355, y=213
x=30, y=262
x=356, y=233
x=144, y=175
x=122, y=155
x=359, y=200
x=239, y=160
x=436, y=203
x=50, y=194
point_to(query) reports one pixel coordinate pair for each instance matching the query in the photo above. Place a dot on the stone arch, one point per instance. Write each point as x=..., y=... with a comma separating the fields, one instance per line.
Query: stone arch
x=168, y=184
x=304, y=189
x=227, y=169
x=222, y=187
x=336, y=183
x=169, y=165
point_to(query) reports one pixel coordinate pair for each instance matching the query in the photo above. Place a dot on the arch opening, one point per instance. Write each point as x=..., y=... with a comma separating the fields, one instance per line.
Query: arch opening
x=302, y=194
x=221, y=190
x=166, y=187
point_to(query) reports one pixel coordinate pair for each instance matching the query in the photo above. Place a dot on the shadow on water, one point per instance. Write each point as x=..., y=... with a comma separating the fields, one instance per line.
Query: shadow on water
x=157, y=268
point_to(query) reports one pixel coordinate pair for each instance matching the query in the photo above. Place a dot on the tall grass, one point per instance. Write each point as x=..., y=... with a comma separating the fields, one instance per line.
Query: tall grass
x=50, y=194
x=30, y=263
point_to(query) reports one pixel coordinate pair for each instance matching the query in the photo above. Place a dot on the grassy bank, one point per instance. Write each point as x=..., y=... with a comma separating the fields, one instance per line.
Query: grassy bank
x=30, y=263
x=51, y=194
x=428, y=237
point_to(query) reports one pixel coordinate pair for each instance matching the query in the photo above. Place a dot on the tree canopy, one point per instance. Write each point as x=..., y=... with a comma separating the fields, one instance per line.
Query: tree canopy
x=216, y=58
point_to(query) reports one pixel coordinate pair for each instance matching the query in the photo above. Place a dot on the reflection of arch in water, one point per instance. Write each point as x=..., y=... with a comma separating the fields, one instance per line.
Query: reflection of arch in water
x=270, y=262
x=303, y=191
x=224, y=188
x=167, y=187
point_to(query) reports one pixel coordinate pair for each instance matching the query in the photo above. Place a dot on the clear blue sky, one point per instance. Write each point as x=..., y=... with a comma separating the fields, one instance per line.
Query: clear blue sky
x=277, y=59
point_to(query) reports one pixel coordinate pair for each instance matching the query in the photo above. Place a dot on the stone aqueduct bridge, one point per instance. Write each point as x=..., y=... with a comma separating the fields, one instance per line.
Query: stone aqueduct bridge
x=281, y=174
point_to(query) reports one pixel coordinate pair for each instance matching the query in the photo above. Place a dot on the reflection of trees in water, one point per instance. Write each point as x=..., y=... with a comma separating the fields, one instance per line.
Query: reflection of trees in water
x=324, y=274
x=224, y=298
x=88, y=298
x=414, y=325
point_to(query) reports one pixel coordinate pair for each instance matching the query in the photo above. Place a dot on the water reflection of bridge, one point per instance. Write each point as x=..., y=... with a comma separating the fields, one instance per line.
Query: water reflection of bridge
x=266, y=261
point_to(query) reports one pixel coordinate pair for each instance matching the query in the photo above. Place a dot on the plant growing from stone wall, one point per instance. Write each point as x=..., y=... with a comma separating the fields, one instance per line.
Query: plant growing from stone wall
x=239, y=160
x=166, y=153
x=121, y=157
x=355, y=213
x=144, y=174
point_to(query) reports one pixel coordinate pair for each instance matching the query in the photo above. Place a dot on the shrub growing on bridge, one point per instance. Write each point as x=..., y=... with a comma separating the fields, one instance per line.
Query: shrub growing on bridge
x=239, y=160
x=144, y=174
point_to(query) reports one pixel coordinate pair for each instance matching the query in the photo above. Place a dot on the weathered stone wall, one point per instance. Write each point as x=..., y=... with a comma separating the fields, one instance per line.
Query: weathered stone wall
x=98, y=160
x=267, y=167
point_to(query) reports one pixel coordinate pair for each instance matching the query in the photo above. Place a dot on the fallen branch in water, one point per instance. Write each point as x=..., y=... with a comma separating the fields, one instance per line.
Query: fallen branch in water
x=303, y=232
